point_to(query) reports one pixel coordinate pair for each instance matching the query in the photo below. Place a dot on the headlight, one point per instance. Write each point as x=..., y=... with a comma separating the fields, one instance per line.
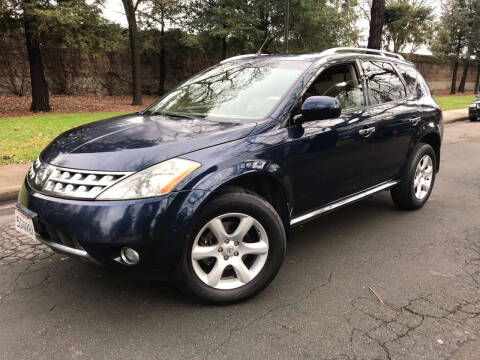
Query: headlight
x=157, y=180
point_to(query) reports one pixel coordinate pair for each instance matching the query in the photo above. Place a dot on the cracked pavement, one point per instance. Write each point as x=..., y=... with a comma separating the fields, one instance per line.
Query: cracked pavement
x=424, y=266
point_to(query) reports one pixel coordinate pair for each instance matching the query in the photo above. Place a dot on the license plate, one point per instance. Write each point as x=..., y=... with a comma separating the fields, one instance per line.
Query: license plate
x=24, y=224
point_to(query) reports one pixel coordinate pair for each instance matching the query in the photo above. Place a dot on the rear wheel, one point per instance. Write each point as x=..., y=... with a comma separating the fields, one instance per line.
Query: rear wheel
x=418, y=179
x=234, y=250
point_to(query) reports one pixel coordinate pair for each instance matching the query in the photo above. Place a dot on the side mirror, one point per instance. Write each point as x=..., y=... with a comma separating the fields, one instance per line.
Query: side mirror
x=320, y=108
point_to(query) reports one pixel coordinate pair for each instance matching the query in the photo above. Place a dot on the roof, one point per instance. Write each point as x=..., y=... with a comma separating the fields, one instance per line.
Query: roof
x=336, y=52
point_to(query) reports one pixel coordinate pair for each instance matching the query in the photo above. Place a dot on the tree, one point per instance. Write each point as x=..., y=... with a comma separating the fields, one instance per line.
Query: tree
x=40, y=96
x=451, y=35
x=75, y=26
x=21, y=14
x=61, y=24
x=161, y=12
x=335, y=21
x=408, y=22
x=376, y=24
x=472, y=39
x=131, y=7
x=226, y=20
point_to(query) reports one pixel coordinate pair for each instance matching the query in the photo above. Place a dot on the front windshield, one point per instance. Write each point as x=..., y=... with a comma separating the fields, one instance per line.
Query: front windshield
x=248, y=90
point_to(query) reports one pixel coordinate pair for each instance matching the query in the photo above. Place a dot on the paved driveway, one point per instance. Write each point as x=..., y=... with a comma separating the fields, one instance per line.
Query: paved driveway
x=424, y=265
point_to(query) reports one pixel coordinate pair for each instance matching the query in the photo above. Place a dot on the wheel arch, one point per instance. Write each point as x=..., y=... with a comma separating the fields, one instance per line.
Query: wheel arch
x=263, y=178
x=434, y=140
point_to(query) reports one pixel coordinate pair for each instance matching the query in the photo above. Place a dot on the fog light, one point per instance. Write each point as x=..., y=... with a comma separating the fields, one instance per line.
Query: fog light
x=129, y=256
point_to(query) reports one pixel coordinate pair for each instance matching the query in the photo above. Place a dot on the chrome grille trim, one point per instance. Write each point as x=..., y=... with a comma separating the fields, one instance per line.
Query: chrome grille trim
x=78, y=183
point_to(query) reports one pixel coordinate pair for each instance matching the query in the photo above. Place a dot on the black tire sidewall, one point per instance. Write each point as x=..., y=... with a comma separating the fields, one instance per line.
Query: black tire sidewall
x=235, y=202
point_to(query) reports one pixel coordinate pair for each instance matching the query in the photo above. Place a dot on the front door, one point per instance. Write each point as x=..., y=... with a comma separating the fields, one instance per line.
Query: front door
x=332, y=157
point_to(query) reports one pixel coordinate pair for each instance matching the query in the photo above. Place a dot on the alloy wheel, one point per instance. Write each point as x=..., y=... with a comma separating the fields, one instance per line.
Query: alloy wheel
x=423, y=177
x=230, y=251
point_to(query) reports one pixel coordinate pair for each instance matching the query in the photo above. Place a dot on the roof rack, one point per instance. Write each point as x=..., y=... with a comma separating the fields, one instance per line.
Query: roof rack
x=363, y=51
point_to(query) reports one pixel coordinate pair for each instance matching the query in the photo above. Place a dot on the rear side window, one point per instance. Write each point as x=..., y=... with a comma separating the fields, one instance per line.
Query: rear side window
x=409, y=74
x=384, y=84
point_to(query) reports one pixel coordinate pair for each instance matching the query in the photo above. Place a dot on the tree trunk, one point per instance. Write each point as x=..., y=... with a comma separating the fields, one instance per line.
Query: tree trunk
x=477, y=80
x=224, y=48
x=163, y=69
x=40, y=98
x=461, y=87
x=130, y=11
x=376, y=24
x=224, y=44
x=453, y=87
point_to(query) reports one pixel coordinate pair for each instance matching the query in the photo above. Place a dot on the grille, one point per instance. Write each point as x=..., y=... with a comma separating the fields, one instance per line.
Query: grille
x=82, y=184
x=51, y=234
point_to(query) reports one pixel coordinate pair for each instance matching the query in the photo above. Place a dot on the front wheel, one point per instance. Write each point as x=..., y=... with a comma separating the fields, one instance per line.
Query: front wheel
x=234, y=249
x=418, y=179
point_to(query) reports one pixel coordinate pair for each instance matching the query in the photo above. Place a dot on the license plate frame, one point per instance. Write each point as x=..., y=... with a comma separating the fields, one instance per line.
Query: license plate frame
x=24, y=224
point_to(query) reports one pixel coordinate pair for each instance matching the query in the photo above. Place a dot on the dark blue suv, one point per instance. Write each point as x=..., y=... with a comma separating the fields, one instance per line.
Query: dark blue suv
x=203, y=186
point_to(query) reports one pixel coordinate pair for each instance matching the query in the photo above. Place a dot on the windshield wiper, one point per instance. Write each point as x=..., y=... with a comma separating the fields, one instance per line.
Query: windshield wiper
x=180, y=116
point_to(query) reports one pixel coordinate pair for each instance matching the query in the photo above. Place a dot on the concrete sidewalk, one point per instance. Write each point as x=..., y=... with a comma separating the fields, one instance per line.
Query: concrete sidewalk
x=11, y=176
x=455, y=115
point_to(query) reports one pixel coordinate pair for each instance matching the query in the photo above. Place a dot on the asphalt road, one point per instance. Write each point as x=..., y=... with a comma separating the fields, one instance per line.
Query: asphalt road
x=424, y=266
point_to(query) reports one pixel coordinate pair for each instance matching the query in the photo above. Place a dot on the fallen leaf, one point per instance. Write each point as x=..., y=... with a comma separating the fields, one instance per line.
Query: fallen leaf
x=436, y=273
x=377, y=296
x=440, y=341
x=292, y=261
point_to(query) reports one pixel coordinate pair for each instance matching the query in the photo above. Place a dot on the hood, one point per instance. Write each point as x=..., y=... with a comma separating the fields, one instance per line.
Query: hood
x=135, y=142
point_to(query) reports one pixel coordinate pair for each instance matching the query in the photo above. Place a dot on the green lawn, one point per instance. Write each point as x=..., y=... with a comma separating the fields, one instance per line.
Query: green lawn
x=22, y=138
x=454, y=102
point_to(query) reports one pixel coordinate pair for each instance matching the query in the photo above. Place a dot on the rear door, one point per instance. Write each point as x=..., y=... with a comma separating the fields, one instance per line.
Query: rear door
x=396, y=117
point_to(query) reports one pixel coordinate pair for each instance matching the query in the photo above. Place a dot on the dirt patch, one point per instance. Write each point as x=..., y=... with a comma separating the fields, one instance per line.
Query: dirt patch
x=11, y=105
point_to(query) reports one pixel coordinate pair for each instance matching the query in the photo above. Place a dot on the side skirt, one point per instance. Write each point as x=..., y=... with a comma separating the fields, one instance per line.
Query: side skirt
x=342, y=202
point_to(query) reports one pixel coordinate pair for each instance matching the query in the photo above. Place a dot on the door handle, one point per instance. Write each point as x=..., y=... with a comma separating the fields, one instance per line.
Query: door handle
x=366, y=132
x=415, y=120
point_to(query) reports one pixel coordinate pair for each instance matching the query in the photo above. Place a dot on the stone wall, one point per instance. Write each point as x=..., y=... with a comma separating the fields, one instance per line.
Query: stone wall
x=439, y=75
x=73, y=72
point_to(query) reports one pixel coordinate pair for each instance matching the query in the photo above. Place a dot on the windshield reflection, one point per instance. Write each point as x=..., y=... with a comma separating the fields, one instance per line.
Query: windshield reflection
x=247, y=90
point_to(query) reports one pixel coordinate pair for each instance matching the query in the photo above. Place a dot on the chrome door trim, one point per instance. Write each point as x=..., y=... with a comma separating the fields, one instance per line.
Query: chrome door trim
x=342, y=202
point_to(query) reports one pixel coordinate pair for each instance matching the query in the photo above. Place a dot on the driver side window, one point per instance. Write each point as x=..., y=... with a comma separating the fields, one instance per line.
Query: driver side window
x=341, y=82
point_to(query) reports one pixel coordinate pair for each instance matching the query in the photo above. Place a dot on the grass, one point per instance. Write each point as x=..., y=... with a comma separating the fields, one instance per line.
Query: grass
x=454, y=102
x=23, y=138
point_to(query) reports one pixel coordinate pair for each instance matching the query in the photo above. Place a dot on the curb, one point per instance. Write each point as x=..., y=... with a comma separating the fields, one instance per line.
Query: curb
x=454, y=120
x=9, y=194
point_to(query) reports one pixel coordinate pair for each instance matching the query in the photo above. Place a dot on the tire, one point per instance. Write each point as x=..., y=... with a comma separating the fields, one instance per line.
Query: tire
x=407, y=195
x=230, y=251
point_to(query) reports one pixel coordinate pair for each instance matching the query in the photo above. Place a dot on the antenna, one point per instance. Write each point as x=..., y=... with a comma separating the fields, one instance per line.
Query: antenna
x=259, y=52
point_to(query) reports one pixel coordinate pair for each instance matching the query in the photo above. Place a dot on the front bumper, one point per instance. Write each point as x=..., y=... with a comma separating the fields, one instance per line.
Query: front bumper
x=97, y=230
x=474, y=113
